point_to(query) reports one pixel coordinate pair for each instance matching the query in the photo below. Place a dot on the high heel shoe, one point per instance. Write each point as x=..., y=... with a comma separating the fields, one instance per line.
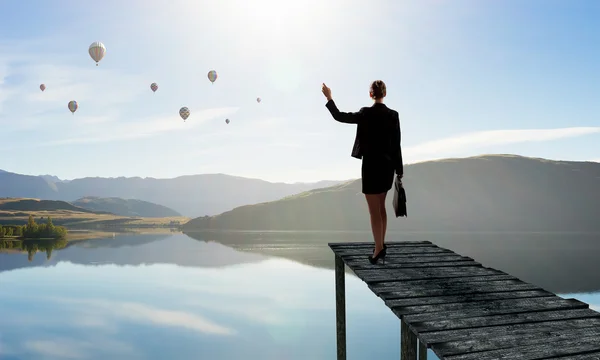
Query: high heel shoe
x=380, y=255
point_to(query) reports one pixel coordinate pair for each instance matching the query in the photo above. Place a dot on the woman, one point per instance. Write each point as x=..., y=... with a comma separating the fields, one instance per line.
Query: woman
x=377, y=143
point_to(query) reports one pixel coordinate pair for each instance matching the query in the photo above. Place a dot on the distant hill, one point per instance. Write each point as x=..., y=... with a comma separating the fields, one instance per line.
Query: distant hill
x=52, y=178
x=125, y=207
x=192, y=195
x=489, y=193
x=35, y=205
x=17, y=210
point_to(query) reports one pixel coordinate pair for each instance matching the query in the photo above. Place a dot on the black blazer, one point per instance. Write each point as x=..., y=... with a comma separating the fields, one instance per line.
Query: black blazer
x=377, y=132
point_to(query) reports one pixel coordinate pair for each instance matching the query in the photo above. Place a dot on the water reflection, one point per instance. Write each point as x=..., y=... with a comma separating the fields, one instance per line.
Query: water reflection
x=276, y=309
x=32, y=246
x=213, y=296
x=558, y=262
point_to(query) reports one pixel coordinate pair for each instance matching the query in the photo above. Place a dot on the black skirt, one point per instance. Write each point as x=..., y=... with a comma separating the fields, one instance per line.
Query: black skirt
x=377, y=175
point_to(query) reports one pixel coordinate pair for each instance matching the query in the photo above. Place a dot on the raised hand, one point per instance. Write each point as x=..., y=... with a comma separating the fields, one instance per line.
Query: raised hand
x=326, y=91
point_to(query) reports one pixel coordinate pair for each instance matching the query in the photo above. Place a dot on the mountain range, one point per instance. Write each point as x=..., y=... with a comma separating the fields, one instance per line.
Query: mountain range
x=125, y=207
x=192, y=195
x=483, y=193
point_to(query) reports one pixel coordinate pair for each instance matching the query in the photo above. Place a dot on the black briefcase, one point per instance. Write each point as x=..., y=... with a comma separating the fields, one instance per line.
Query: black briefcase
x=399, y=198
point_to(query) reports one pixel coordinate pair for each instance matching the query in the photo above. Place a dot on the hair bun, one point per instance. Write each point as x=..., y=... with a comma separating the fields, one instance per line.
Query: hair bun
x=378, y=89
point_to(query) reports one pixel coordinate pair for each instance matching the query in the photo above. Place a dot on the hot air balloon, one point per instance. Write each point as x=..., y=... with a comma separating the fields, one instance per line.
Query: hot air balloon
x=258, y=100
x=42, y=87
x=184, y=113
x=227, y=121
x=212, y=76
x=97, y=51
x=73, y=106
x=154, y=87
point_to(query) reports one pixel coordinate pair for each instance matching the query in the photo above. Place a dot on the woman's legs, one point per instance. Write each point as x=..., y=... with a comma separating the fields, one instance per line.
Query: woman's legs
x=377, y=222
x=383, y=216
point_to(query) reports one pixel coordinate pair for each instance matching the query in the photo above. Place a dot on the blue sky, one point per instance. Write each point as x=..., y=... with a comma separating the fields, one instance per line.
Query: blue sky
x=468, y=77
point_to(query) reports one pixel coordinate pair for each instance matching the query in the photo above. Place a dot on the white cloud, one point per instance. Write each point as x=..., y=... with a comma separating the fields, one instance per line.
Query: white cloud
x=483, y=139
x=86, y=320
x=94, y=89
x=112, y=130
x=264, y=312
x=66, y=348
x=147, y=314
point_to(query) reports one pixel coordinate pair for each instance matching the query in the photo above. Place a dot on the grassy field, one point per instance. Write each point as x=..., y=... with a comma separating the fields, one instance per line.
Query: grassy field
x=69, y=219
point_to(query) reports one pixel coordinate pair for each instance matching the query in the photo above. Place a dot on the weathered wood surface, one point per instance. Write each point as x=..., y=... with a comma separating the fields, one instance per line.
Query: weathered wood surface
x=340, y=307
x=498, y=320
x=345, y=245
x=550, y=349
x=595, y=355
x=458, y=289
x=415, y=250
x=422, y=350
x=399, y=262
x=416, y=301
x=381, y=275
x=503, y=306
x=434, y=337
x=392, y=286
x=552, y=303
x=464, y=311
x=408, y=343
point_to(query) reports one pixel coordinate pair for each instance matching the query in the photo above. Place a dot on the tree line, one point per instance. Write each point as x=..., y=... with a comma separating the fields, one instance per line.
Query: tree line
x=33, y=230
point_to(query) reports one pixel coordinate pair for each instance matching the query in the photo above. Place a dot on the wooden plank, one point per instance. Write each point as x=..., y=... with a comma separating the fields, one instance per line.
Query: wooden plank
x=379, y=265
x=391, y=286
x=467, y=298
x=498, y=320
x=393, y=251
x=381, y=275
x=400, y=256
x=434, y=337
x=535, y=352
x=508, y=341
x=408, y=343
x=340, y=307
x=422, y=351
x=588, y=356
x=533, y=306
x=457, y=288
x=495, y=305
x=370, y=244
x=390, y=260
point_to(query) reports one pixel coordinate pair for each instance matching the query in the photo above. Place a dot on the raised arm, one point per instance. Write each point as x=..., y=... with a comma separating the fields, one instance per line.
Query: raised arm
x=344, y=117
x=396, y=143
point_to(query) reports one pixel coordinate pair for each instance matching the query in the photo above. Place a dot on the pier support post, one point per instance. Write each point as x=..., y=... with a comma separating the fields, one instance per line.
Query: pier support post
x=340, y=307
x=422, y=351
x=408, y=342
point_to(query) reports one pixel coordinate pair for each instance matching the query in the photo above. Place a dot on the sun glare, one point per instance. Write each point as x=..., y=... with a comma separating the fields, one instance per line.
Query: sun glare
x=275, y=22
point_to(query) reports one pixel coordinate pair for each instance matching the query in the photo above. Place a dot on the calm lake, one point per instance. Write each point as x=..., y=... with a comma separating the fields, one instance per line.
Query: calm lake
x=237, y=295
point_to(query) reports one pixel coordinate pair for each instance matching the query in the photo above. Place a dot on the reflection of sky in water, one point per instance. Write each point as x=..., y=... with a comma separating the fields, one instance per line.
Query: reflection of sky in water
x=276, y=309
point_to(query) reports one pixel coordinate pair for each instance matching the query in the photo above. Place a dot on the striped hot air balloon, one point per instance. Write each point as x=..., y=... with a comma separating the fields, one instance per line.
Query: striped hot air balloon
x=212, y=76
x=42, y=87
x=97, y=51
x=184, y=113
x=73, y=106
x=154, y=87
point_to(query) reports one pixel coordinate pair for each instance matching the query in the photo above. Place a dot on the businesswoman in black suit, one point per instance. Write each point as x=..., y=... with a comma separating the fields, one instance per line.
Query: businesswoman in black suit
x=377, y=143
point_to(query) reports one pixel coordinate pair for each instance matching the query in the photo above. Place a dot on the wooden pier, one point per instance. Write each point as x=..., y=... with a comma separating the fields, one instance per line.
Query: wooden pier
x=463, y=310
